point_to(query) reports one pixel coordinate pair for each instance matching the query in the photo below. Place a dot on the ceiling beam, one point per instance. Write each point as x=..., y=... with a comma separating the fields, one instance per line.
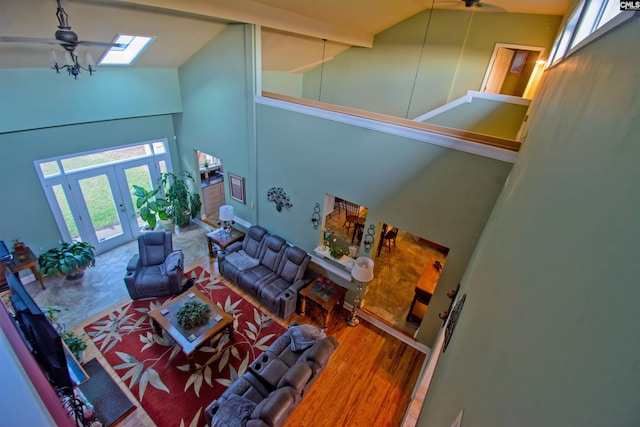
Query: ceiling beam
x=255, y=13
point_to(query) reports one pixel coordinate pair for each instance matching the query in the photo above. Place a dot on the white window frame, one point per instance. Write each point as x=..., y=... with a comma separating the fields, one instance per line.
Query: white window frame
x=573, y=24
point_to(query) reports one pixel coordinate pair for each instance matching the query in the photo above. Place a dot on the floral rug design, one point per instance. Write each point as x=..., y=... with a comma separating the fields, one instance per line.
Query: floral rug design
x=157, y=372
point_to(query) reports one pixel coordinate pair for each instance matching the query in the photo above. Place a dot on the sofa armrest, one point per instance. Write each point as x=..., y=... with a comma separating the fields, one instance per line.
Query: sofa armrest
x=134, y=263
x=288, y=300
x=234, y=247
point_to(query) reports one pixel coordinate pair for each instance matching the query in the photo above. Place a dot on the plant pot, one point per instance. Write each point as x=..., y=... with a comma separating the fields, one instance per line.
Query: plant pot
x=166, y=225
x=75, y=276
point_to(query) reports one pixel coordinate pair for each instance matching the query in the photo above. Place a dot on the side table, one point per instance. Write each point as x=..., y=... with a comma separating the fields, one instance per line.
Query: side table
x=23, y=261
x=222, y=239
x=326, y=298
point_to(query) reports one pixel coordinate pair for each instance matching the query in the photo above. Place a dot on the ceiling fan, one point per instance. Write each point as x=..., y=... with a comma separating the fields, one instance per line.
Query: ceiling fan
x=473, y=3
x=68, y=39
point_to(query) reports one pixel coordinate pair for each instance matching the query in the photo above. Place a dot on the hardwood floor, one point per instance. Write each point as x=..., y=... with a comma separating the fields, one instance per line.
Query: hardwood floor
x=368, y=381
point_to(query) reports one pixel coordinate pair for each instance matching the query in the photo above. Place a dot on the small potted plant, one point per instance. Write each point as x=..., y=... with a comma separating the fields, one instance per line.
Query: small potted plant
x=69, y=259
x=193, y=314
x=75, y=344
x=53, y=315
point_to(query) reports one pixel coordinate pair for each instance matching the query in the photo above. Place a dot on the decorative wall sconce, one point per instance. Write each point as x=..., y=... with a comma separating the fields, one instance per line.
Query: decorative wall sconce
x=279, y=197
x=369, y=238
x=315, y=218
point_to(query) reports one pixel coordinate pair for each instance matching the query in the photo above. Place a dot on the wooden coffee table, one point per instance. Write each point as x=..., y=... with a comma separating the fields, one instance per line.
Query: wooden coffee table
x=164, y=317
x=326, y=298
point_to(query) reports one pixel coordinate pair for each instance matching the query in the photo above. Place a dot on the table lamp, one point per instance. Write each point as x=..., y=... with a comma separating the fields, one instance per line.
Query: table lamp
x=226, y=216
x=362, y=272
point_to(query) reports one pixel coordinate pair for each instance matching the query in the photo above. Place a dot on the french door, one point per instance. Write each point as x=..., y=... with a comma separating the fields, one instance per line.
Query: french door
x=91, y=194
x=104, y=204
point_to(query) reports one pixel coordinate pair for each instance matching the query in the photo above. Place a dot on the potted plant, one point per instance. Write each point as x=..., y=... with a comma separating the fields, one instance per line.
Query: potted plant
x=152, y=208
x=53, y=316
x=184, y=204
x=193, y=314
x=69, y=259
x=75, y=344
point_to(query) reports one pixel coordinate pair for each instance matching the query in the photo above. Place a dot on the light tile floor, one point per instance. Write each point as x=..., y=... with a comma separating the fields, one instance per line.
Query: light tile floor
x=103, y=285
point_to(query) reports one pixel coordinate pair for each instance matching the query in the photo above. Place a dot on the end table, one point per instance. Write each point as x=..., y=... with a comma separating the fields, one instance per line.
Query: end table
x=326, y=297
x=22, y=261
x=222, y=239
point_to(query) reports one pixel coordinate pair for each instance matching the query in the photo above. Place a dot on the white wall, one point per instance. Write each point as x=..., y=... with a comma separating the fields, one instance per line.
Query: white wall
x=549, y=331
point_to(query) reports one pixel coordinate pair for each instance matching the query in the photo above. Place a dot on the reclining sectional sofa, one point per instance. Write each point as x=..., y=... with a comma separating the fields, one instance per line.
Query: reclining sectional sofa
x=275, y=382
x=268, y=268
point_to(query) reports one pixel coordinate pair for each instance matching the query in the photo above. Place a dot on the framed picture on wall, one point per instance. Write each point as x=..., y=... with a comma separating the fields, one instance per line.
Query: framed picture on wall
x=236, y=187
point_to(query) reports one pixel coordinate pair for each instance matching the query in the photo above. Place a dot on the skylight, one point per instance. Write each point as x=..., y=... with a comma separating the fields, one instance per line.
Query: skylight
x=128, y=54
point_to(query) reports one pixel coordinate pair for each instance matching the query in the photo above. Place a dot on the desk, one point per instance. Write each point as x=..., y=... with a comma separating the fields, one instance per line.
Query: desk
x=222, y=239
x=423, y=291
x=23, y=261
x=326, y=298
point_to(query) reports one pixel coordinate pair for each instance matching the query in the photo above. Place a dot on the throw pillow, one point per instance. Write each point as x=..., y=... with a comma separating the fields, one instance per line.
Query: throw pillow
x=303, y=336
x=233, y=412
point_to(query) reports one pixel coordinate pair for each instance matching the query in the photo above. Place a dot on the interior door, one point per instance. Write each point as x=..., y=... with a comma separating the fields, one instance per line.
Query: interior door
x=499, y=70
x=101, y=208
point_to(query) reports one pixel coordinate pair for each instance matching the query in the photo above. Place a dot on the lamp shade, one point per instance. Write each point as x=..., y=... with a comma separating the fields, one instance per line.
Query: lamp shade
x=363, y=269
x=226, y=213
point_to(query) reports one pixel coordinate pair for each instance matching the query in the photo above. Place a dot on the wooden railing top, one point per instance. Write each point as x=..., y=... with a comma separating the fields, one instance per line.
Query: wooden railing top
x=464, y=135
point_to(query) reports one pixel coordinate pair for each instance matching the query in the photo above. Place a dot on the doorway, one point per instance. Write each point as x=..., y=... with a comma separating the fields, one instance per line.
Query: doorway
x=91, y=194
x=512, y=69
x=402, y=262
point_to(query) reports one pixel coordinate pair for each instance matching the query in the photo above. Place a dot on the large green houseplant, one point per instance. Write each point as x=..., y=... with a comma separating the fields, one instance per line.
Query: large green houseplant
x=68, y=259
x=184, y=204
x=152, y=208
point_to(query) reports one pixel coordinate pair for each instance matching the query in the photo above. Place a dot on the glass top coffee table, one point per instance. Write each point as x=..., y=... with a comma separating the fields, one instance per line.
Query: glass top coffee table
x=164, y=317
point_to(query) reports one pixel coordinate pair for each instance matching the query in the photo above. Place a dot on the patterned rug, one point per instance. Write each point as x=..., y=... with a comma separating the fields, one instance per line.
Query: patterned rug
x=157, y=372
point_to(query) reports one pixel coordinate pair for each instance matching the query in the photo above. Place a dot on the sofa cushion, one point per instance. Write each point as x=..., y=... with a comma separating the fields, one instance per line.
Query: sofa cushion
x=293, y=264
x=304, y=336
x=272, y=252
x=233, y=412
x=318, y=354
x=241, y=260
x=297, y=377
x=276, y=407
x=252, y=243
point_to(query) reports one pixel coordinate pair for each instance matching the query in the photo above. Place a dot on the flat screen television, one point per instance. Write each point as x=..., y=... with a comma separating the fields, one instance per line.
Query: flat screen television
x=41, y=337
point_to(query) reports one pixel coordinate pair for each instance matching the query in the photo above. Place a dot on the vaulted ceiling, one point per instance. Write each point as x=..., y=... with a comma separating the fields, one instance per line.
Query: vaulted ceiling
x=291, y=37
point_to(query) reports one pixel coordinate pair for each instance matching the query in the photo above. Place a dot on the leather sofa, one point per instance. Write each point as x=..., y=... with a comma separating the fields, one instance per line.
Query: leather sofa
x=276, y=382
x=268, y=268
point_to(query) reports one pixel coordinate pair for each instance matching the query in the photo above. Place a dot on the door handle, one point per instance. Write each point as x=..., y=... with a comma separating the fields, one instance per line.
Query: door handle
x=122, y=209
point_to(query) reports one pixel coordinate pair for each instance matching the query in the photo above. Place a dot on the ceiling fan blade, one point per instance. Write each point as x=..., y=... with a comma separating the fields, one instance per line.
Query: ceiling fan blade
x=106, y=44
x=11, y=39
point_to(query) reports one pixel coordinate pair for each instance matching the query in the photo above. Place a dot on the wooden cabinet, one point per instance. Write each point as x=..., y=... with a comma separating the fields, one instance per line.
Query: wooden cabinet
x=213, y=198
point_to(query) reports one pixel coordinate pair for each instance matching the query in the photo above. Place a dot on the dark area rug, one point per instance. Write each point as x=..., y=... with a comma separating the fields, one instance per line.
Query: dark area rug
x=109, y=402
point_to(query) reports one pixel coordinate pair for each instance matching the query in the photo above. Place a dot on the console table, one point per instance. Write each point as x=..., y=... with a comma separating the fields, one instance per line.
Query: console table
x=423, y=291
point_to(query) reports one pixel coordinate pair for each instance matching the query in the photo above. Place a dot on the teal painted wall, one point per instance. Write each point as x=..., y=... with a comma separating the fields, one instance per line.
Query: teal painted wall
x=282, y=82
x=494, y=118
x=36, y=98
x=430, y=191
x=218, y=109
x=457, y=53
x=549, y=331
x=26, y=214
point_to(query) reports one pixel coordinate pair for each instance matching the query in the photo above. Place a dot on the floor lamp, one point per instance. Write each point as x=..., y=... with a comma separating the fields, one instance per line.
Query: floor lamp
x=362, y=272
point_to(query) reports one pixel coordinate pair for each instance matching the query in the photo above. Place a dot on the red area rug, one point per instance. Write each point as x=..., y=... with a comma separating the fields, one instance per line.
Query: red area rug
x=157, y=372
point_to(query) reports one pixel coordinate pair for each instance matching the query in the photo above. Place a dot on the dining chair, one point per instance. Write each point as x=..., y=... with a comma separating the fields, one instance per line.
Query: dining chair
x=352, y=216
x=391, y=236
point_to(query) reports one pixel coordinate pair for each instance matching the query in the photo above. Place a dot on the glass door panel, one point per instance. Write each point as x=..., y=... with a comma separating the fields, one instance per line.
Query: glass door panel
x=67, y=215
x=140, y=176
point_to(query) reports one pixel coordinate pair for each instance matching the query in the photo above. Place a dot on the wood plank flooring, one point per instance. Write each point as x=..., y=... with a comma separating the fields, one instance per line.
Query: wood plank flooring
x=368, y=381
